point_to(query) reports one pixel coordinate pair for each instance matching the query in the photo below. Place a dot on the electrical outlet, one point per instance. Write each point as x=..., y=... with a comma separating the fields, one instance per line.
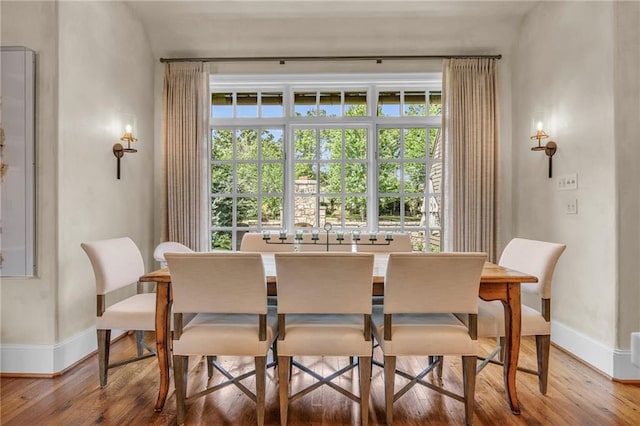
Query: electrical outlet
x=572, y=206
x=567, y=182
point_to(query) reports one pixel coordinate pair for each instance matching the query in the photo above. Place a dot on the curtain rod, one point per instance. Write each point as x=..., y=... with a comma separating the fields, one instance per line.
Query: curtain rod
x=284, y=59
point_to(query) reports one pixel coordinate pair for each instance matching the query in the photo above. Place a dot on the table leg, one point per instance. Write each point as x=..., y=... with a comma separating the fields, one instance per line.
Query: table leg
x=512, y=324
x=163, y=307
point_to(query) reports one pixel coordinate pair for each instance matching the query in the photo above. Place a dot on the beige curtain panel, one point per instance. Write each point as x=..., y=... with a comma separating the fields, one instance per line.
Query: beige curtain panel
x=185, y=115
x=470, y=128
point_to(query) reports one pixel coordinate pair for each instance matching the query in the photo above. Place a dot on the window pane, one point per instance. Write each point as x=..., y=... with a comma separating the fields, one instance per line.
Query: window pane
x=434, y=241
x=305, y=144
x=333, y=206
x=272, y=212
x=330, y=104
x=305, y=182
x=221, y=240
x=247, y=105
x=388, y=211
x=355, y=209
x=222, y=105
x=434, y=212
x=413, y=211
x=415, y=143
x=330, y=144
x=304, y=104
x=389, y=144
x=330, y=178
x=389, y=104
x=221, y=211
x=435, y=103
x=355, y=178
x=414, y=104
x=247, y=211
x=389, y=177
x=221, y=178
x=272, y=178
x=272, y=105
x=435, y=143
x=247, y=178
x=272, y=144
x=435, y=178
x=355, y=144
x=221, y=145
x=414, y=177
x=355, y=104
x=247, y=144
x=305, y=211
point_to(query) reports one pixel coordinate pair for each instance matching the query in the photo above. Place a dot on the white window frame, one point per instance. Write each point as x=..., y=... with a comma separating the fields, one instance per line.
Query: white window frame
x=288, y=84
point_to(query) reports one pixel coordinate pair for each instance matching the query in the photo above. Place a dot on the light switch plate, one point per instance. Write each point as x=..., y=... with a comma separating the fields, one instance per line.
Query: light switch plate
x=568, y=182
x=572, y=206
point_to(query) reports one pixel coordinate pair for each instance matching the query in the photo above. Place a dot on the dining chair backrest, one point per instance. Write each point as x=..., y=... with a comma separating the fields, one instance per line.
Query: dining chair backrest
x=538, y=258
x=166, y=247
x=400, y=243
x=433, y=282
x=116, y=263
x=254, y=242
x=332, y=283
x=218, y=282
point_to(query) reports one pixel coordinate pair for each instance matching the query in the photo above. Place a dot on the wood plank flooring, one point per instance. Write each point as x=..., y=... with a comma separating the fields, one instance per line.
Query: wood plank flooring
x=577, y=395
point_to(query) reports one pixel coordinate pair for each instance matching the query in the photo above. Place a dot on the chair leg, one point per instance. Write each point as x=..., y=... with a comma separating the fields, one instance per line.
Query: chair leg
x=469, y=379
x=261, y=372
x=104, y=341
x=500, y=341
x=364, y=363
x=283, y=387
x=542, y=349
x=389, y=380
x=140, y=342
x=440, y=367
x=210, y=360
x=180, y=370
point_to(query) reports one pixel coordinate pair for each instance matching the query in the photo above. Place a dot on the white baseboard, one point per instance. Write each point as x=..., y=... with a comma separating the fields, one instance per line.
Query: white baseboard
x=49, y=359
x=615, y=363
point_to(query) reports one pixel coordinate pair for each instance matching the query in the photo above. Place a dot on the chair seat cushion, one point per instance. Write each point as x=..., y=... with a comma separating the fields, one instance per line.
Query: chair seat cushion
x=533, y=322
x=226, y=334
x=324, y=335
x=137, y=312
x=423, y=334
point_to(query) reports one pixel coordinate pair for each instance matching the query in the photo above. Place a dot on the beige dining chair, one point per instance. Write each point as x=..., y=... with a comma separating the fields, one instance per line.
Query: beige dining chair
x=228, y=292
x=324, y=309
x=422, y=291
x=254, y=242
x=166, y=247
x=117, y=263
x=538, y=258
x=401, y=243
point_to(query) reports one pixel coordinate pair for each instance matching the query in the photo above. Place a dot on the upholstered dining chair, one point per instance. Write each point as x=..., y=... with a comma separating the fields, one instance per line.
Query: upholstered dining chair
x=538, y=258
x=422, y=291
x=401, y=243
x=254, y=242
x=166, y=247
x=228, y=292
x=324, y=309
x=117, y=263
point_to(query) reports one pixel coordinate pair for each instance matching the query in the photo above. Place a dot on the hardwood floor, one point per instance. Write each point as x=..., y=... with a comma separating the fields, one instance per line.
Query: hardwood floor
x=577, y=395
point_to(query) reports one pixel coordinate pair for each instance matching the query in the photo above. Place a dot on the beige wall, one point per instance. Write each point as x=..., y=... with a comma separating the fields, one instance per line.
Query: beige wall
x=106, y=73
x=28, y=305
x=627, y=143
x=563, y=67
x=94, y=67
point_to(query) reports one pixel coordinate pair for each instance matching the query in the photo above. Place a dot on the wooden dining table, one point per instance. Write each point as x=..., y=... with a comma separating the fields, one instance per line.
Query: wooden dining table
x=496, y=283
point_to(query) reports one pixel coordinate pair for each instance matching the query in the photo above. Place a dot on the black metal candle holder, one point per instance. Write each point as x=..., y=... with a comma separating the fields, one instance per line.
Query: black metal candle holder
x=315, y=238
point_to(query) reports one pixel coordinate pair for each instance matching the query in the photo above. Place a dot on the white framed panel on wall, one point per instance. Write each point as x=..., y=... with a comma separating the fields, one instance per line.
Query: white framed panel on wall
x=17, y=156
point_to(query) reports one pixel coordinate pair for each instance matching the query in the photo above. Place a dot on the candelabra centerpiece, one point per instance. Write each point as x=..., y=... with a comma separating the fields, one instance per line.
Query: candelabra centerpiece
x=298, y=237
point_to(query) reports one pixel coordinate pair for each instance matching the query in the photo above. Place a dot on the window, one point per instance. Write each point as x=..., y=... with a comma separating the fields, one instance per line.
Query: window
x=354, y=152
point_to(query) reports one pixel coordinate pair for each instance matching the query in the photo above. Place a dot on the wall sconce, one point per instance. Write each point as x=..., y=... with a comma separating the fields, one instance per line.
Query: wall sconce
x=119, y=150
x=549, y=148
